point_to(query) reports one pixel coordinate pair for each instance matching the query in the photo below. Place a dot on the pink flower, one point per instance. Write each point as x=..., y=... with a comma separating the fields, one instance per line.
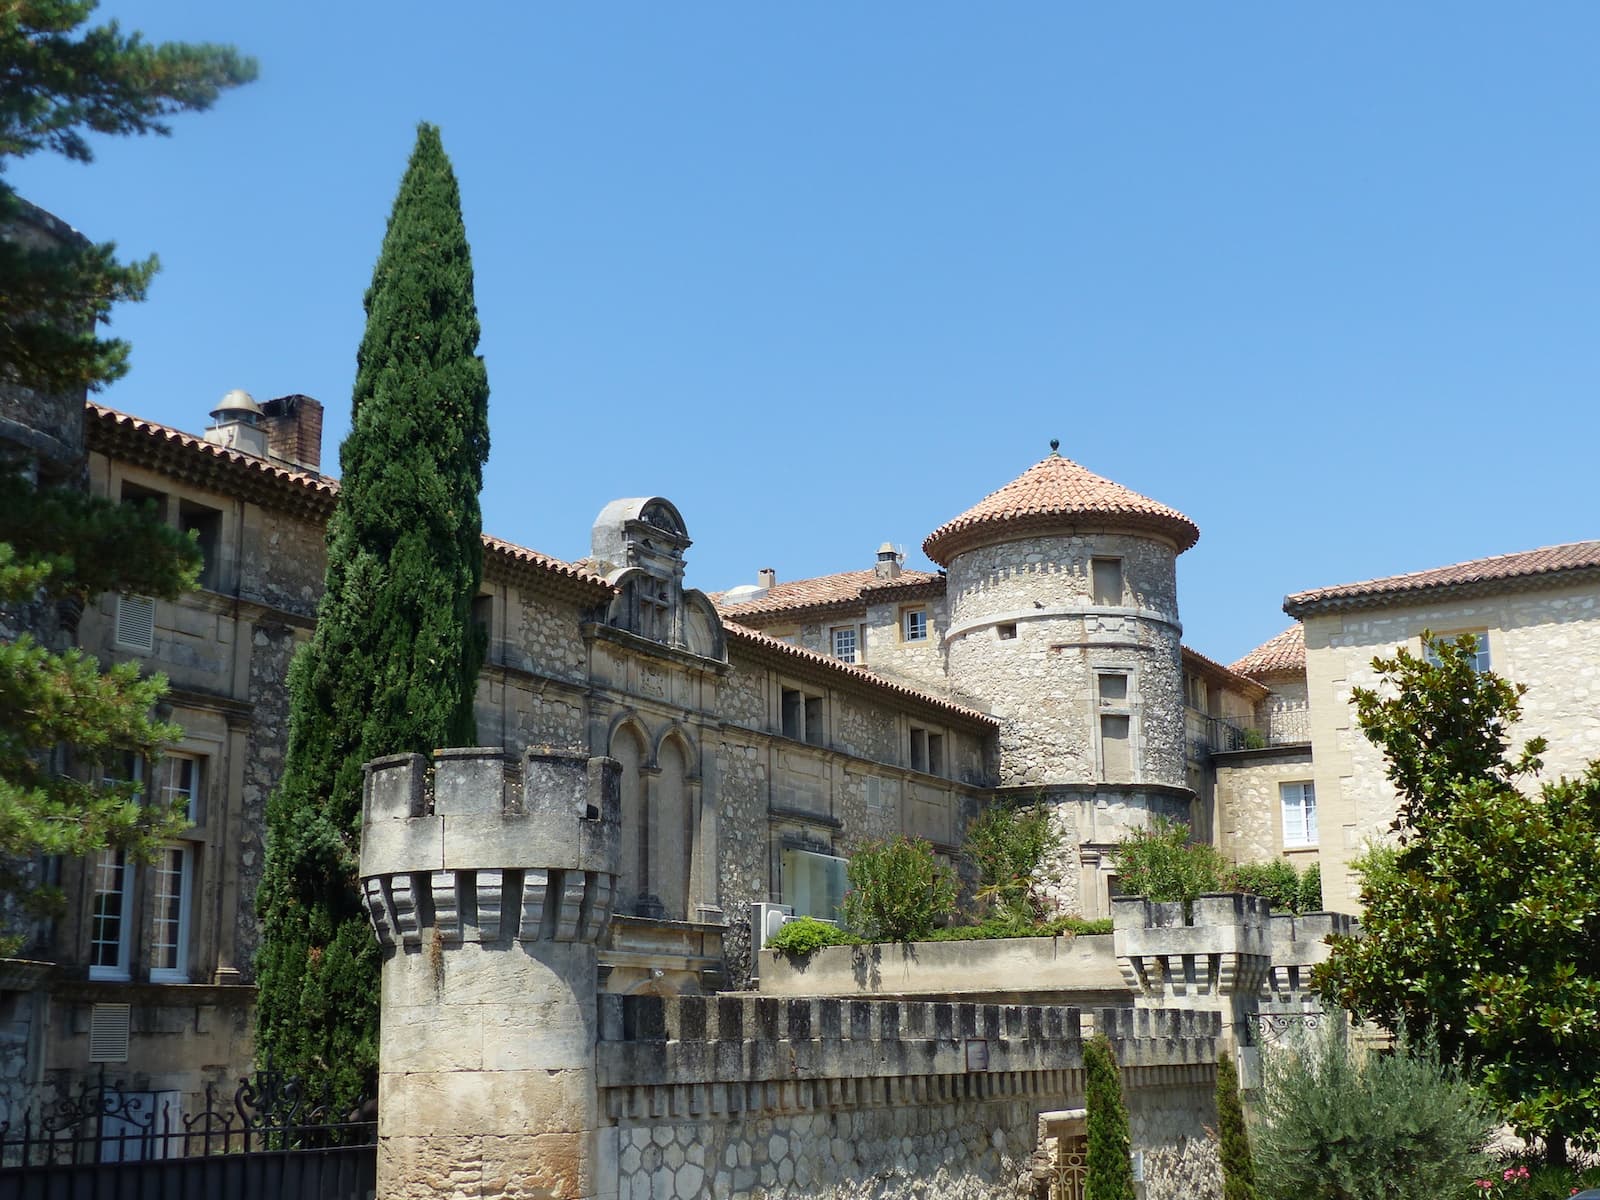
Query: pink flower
x=1482, y=1183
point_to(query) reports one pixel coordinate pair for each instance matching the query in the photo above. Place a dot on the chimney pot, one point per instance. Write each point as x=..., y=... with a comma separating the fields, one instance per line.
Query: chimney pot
x=768, y=577
x=888, y=565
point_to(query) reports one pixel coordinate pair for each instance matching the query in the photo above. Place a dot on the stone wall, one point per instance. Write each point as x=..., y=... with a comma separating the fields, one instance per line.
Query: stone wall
x=743, y=1097
x=1547, y=639
x=1249, y=811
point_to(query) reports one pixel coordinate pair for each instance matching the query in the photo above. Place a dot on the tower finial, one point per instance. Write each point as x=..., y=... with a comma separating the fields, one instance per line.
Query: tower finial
x=1055, y=446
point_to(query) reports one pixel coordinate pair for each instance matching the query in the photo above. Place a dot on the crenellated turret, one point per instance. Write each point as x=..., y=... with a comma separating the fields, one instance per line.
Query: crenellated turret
x=489, y=881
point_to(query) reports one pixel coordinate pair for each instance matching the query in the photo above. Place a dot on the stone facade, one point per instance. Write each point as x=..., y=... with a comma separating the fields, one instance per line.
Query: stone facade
x=1546, y=637
x=1250, y=804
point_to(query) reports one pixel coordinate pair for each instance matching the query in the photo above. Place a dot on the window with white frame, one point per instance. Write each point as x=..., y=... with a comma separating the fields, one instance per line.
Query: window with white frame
x=846, y=644
x=1480, y=658
x=914, y=624
x=111, y=901
x=110, y=921
x=1299, y=813
x=171, y=877
x=172, y=882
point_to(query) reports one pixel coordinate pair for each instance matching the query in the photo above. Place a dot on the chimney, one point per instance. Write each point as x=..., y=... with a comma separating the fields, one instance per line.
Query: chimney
x=294, y=431
x=888, y=565
x=768, y=577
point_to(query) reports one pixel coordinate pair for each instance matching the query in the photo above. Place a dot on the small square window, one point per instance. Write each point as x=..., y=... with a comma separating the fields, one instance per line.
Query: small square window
x=845, y=643
x=1107, y=581
x=802, y=717
x=1299, y=813
x=915, y=624
x=205, y=524
x=1006, y=632
x=1480, y=661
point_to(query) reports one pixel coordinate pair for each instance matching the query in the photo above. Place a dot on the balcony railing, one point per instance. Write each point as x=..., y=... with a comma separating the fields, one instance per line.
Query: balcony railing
x=1207, y=734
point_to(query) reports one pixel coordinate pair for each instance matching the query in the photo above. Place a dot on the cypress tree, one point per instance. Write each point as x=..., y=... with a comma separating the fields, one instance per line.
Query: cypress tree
x=1238, y=1168
x=393, y=664
x=1109, y=1169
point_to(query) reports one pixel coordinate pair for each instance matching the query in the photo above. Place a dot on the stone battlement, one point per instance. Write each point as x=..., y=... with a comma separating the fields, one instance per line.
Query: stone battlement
x=656, y=1040
x=480, y=847
x=1298, y=944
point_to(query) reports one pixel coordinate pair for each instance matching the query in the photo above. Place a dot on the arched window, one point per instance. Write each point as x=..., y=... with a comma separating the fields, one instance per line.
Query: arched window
x=671, y=835
x=628, y=749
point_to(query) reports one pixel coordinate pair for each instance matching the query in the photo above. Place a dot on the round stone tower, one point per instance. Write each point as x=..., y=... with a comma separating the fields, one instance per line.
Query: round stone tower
x=490, y=884
x=1062, y=592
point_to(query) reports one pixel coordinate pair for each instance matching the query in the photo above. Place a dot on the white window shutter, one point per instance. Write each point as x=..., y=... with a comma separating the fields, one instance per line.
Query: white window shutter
x=136, y=623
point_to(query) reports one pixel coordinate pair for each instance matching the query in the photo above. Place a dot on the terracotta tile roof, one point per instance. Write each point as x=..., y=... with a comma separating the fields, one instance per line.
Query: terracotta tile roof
x=511, y=553
x=1284, y=653
x=773, y=648
x=846, y=589
x=194, y=459
x=185, y=456
x=1227, y=676
x=1505, y=572
x=1051, y=494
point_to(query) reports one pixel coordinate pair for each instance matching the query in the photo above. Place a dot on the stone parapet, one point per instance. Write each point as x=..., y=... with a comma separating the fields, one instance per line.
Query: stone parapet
x=1213, y=957
x=1299, y=943
x=482, y=848
x=724, y=1045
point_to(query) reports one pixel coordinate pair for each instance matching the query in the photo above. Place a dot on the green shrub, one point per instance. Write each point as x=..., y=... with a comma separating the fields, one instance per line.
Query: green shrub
x=1311, y=890
x=1108, y=1173
x=1007, y=844
x=899, y=891
x=1238, y=1168
x=1338, y=1125
x=1162, y=864
x=995, y=929
x=805, y=935
x=1275, y=881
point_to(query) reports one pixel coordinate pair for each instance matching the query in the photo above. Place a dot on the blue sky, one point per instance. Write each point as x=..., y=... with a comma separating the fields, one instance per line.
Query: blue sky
x=1323, y=278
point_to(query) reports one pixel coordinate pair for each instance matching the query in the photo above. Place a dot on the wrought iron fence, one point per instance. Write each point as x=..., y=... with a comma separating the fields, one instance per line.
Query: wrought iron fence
x=268, y=1139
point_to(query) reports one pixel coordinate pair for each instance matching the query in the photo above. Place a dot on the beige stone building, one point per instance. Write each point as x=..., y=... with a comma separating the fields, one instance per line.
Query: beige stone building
x=1536, y=616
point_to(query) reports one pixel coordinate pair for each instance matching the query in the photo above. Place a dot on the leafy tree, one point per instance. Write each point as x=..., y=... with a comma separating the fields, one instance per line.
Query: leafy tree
x=899, y=890
x=1007, y=844
x=393, y=664
x=60, y=83
x=65, y=725
x=61, y=546
x=1108, y=1173
x=1335, y=1126
x=1238, y=1167
x=1482, y=928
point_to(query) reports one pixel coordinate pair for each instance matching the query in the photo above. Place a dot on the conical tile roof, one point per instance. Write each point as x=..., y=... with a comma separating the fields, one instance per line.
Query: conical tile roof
x=1054, y=494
